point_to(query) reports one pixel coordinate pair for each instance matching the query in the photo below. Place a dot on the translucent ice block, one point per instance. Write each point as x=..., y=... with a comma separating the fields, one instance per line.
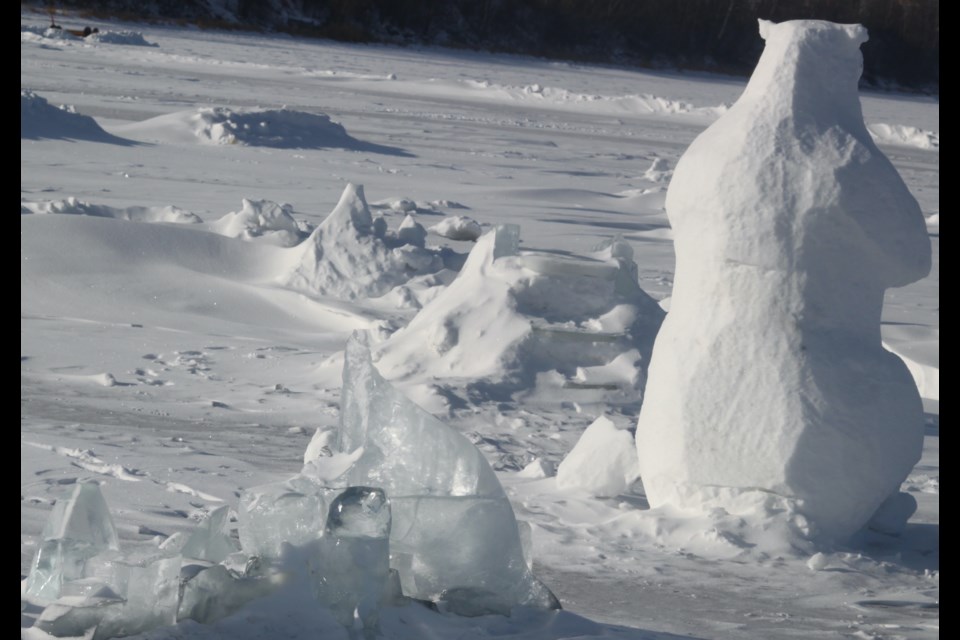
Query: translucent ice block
x=77, y=529
x=406, y=451
x=353, y=568
x=449, y=544
x=291, y=512
x=210, y=540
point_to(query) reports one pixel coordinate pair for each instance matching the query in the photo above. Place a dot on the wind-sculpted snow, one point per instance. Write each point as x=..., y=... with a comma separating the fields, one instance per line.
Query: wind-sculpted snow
x=274, y=128
x=789, y=225
x=41, y=120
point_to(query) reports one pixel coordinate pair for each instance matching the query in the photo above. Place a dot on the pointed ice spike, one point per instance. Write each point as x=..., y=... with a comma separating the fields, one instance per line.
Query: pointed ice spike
x=407, y=451
x=452, y=524
x=78, y=528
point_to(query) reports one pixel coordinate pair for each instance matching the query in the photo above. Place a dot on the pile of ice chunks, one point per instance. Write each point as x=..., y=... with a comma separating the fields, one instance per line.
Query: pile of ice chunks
x=415, y=514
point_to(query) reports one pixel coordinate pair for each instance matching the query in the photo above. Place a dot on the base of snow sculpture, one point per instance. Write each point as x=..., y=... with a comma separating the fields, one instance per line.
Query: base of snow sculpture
x=453, y=525
x=789, y=224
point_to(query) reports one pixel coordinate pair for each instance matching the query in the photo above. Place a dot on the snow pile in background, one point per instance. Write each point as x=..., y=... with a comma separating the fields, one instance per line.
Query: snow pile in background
x=603, y=463
x=458, y=228
x=556, y=97
x=261, y=220
x=769, y=375
x=39, y=34
x=40, y=119
x=900, y=135
x=132, y=38
x=278, y=128
x=512, y=322
x=350, y=255
x=72, y=206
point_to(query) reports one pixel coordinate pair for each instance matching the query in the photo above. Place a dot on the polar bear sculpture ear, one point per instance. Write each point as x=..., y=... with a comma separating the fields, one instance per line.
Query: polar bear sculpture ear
x=765, y=27
x=857, y=33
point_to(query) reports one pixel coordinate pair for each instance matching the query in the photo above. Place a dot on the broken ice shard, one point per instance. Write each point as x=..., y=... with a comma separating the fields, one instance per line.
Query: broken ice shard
x=292, y=512
x=354, y=561
x=210, y=540
x=209, y=593
x=78, y=528
x=453, y=526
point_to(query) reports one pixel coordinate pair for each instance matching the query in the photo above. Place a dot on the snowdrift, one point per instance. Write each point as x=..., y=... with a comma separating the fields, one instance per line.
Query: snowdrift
x=512, y=322
x=39, y=119
x=276, y=128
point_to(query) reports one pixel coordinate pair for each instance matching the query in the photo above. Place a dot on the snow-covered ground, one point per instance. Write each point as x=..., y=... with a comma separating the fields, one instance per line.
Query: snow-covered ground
x=177, y=361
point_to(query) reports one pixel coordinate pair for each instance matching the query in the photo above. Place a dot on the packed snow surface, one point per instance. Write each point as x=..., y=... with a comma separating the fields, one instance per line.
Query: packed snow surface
x=789, y=225
x=172, y=365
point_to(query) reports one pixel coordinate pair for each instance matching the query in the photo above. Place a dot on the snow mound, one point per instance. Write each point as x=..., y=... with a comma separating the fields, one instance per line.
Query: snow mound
x=260, y=220
x=603, y=463
x=458, y=228
x=40, y=119
x=72, y=206
x=277, y=128
x=131, y=38
x=769, y=374
x=510, y=322
x=899, y=135
x=350, y=255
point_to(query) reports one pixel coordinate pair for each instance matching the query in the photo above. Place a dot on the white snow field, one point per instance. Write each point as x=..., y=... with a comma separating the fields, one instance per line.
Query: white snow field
x=185, y=309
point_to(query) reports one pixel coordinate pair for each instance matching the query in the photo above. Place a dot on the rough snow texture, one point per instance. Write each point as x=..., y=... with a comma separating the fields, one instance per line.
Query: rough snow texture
x=347, y=256
x=458, y=228
x=789, y=223
x=603, y=463
x=900, y=135
x=72, y=206
x=508, y=319
x=261, y=219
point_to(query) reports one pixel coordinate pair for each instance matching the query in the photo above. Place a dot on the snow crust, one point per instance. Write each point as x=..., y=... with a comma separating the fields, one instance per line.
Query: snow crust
x=789, y=224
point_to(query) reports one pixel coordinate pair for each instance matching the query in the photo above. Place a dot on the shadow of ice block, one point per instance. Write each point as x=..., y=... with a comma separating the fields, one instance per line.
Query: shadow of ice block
x=78, y=528
x=293, y=512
